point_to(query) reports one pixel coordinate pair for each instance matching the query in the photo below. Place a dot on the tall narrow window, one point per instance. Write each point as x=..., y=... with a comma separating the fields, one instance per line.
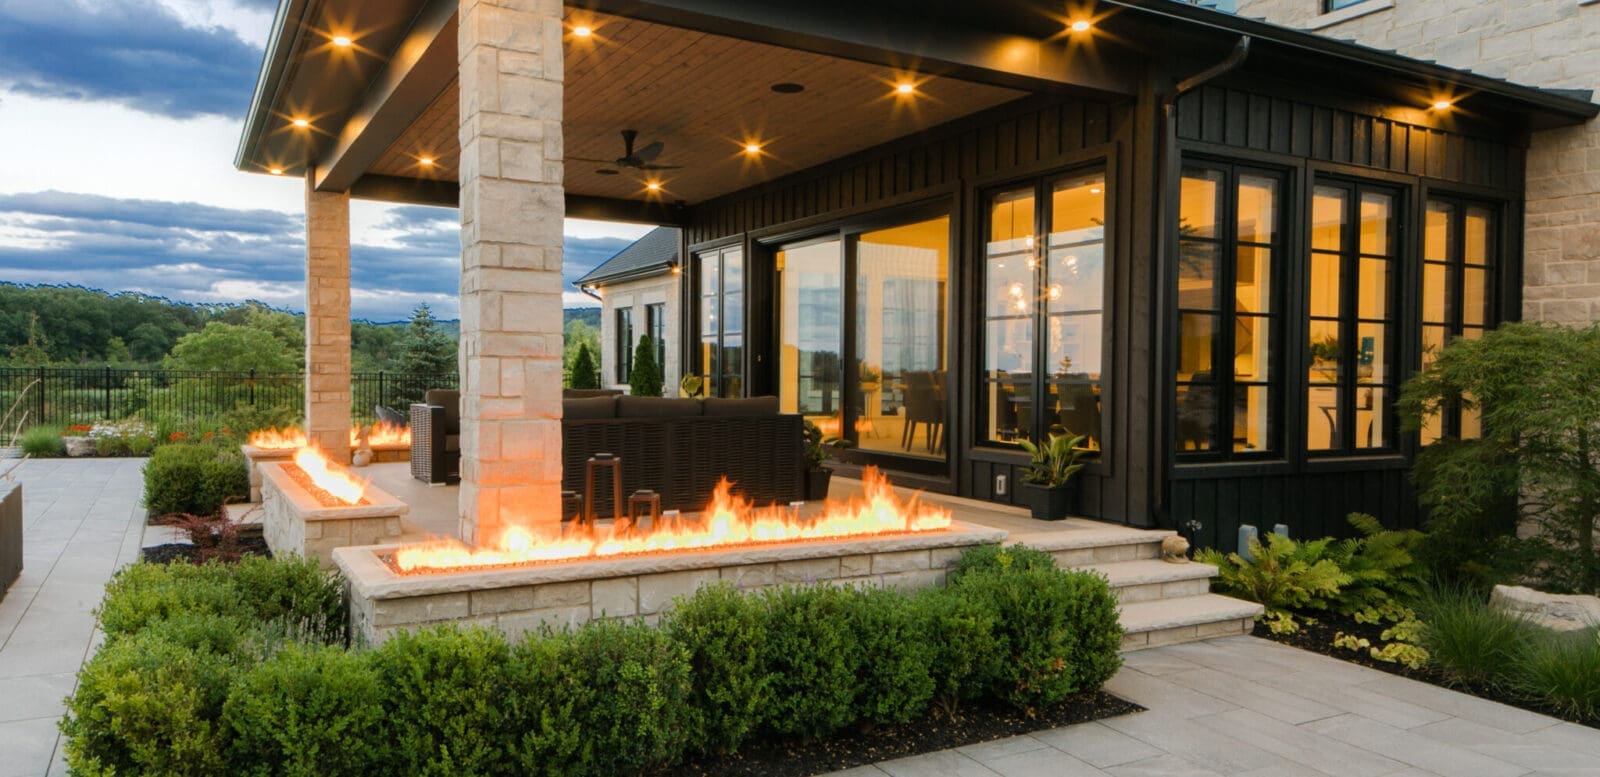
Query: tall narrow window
x=811, y=334
x=655, y=321
x=720, y=358
x=899, y=286
x=1054, y=285
x=1351, y=323
x=624, y=344
x=1458, y=264
x=1229, y=320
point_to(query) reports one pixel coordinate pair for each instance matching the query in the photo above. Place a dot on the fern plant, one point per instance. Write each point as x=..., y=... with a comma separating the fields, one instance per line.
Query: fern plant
x=1282, y=575
x=1385, y=575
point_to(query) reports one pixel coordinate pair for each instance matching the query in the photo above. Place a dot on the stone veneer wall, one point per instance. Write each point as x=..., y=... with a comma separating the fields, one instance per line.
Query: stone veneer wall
x=253, y=459
x=293, y=522
x=635, y=295
x=10, y=534
x=327, y=400
x=1547, y=43
x=518, y=600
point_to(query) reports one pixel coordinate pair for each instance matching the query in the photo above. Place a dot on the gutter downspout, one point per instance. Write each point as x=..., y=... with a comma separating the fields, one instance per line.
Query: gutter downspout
x=589, y=292
x=1167, y=243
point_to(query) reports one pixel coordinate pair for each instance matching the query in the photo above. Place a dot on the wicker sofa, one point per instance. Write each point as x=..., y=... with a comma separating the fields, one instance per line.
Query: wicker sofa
x=678, y=448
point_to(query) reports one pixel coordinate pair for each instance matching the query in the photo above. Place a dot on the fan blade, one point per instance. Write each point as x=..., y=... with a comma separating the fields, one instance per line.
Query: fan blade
x=592, y=161
x=648, y=152
x=628, y=137
x=659, y=167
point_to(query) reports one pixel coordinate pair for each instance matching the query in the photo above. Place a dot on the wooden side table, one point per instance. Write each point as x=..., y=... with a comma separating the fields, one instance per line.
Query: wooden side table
x=597, y=462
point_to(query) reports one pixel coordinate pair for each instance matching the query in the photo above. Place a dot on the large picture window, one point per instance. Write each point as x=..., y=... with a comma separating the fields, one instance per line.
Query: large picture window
x=720, y=321
x=1044, y=271
x=1459, y=257
x=1351, y=367
x=1230, y=248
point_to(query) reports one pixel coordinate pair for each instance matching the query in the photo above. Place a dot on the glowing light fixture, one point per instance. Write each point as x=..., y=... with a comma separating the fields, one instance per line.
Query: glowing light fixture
x=426, y=161
x=276, y=171
x=582, y=31
x=1442, y=105
x=752, y=148
x=1094, y=190
x=342, y=41
x=654, y=186
x=906, y=87
x=1082, y=25
x=302, y=123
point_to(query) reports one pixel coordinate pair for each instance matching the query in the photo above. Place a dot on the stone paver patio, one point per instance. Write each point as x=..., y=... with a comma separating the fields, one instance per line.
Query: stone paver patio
x=1237, y=706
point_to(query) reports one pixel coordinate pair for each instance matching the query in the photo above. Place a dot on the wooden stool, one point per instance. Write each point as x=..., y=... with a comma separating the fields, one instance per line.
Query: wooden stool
x=596, y=462
x=645, y=502
x=571, y=506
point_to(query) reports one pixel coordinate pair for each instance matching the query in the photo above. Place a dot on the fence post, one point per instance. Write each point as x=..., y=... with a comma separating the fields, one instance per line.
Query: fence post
x=252, y=387
x=382, y=399
x=41, y=397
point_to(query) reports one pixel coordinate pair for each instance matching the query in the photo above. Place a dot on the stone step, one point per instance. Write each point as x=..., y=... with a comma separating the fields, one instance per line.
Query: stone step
x=1146, y=580
x=1185, y=619
x=1101, y=544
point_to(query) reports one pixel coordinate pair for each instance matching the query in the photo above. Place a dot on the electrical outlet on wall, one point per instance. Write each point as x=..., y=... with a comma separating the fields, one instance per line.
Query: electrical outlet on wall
x=1001, y=482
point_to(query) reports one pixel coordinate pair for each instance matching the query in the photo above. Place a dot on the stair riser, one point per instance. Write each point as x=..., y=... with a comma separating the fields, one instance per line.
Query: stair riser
x=1078, y=557
x=1227, y=628
x=1147, y=592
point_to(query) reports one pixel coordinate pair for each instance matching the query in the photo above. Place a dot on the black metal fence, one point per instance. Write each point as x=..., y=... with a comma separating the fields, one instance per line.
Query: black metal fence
x=70, y=395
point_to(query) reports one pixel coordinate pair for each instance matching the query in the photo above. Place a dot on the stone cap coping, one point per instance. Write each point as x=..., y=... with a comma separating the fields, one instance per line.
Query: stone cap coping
x=380, y=503
x=373, y=579
x=1097, y=537
x=254, y=453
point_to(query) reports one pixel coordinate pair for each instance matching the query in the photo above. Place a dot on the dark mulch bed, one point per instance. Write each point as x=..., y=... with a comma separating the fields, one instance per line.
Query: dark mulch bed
x=183, y=551
x=976, y=723
x=1318, y=638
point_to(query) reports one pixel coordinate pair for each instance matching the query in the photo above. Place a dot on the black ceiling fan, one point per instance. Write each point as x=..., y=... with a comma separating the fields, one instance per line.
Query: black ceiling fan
x=641, y=159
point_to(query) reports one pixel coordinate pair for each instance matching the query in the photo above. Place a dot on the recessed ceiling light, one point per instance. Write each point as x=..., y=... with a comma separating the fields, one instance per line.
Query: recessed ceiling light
x=752, y=148
x=582, y=31
x=906, y=87
x=788, y=87
x=342, y=41
x=276, y=171
x=1094, y=190
x=654, y=186
x=302, y=123
x=1442, y=105
x=1081, y=25
x=426, y=161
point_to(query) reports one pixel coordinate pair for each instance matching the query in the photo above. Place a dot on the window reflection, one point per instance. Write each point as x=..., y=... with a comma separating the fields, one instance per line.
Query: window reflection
x=900, y=279
x=1457, y=296
x=811, y=299
x=720, y=357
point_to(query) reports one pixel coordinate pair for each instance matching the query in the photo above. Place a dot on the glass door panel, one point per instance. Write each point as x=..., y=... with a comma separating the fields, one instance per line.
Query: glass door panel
x=900, y=279
x=1009, y=295
x=1075, y=287
x=810, y=333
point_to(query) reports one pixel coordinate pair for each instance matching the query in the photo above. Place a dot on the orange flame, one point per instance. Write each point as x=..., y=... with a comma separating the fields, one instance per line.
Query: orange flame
x=381, y=434
x=328, y=476
x=287, y=438
x=730, y=520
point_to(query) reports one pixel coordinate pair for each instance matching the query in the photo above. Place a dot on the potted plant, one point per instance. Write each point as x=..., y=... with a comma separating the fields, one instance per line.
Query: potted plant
x=1048, y=485
x=817, y=476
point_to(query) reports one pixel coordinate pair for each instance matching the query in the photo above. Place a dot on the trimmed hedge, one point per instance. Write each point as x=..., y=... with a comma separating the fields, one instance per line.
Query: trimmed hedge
x=194, y=479
x=205, y=670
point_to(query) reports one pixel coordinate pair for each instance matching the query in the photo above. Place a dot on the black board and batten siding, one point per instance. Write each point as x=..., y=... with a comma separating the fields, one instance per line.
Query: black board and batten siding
x=955, y=165
x=1313, y=496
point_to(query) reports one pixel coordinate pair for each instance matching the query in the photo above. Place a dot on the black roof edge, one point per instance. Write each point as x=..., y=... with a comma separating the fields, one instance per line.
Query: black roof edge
x=1568, y=103
x=631, y=274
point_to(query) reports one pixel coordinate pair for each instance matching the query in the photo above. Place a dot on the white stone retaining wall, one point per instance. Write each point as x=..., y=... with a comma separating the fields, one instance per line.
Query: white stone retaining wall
x=293, y=521
x=521, y=599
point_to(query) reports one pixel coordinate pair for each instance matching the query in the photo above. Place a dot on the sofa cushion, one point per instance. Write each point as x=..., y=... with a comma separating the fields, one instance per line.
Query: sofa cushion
x=656, y=407
x=754, y=407
x=589, y=407
x=586, y=393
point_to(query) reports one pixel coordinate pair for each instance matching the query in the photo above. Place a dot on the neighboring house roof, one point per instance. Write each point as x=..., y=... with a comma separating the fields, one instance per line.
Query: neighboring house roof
x=651, y=255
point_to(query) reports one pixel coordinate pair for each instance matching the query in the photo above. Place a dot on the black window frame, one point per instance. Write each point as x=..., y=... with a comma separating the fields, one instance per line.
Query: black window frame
x=655, y=325
x=623, y=336
x=1455, y=266
x=718, y=376
x=1224, y=337
x=1329, y=6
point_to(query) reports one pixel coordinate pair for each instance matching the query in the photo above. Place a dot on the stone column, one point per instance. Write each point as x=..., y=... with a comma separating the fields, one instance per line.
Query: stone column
x=512, y=206
x=328, y=320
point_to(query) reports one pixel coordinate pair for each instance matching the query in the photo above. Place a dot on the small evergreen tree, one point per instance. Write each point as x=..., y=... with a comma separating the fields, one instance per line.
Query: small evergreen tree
x=581, y=373
x=646, y=378
x=426, y=353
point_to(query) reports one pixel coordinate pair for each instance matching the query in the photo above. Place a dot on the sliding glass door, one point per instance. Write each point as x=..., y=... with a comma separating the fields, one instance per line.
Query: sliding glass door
x=720, y=357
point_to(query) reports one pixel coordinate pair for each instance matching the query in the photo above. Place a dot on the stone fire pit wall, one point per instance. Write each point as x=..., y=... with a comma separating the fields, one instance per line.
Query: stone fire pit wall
x=294, y=521
x=253, y=459
x=520, y=599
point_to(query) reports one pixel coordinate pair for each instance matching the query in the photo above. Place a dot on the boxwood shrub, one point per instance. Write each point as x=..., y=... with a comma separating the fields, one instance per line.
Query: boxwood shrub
x=194, y=479
x=235, y=669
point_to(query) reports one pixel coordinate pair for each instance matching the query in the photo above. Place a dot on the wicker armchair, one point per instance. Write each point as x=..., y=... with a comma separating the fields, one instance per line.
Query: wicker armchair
x=436, y=437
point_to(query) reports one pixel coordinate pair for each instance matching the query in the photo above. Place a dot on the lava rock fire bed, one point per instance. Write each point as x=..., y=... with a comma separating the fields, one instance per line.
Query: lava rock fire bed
x=299, y=517
x=521, y=598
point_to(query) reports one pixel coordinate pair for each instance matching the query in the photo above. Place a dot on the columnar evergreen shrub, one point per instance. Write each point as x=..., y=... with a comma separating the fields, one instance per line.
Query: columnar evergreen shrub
x=444, y=688
x=645, y=378
x=581, y=372
x=194, y=479
x=308, y=711
x=723, y=631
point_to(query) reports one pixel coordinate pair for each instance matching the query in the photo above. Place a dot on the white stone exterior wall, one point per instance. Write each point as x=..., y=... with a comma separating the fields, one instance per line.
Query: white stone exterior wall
x=1546, y=43
x=636, y=296
x=328, y=320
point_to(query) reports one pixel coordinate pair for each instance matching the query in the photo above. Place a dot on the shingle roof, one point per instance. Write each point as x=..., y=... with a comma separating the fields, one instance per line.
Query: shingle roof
x=656, y=251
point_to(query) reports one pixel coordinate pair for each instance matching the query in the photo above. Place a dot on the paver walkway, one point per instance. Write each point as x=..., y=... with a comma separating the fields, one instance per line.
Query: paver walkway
x=1237, y=706
x=81, y=521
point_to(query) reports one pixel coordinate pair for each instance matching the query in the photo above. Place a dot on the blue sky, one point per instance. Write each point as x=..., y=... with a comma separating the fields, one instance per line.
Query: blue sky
x=118, y=124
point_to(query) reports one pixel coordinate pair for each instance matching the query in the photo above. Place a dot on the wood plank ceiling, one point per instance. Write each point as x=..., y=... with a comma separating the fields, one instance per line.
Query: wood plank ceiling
x=705, y=97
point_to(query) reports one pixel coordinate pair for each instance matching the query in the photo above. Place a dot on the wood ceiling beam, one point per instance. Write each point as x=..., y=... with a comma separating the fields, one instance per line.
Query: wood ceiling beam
x=422, y=66
x=858, y=31
x=446, y=194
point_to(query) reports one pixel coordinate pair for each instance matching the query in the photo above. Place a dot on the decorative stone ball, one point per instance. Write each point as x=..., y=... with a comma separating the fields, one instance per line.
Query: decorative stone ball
x=1175, y=550
x=361, y=457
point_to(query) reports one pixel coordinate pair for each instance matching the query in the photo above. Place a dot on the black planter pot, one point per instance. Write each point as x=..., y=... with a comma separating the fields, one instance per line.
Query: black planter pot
x=1050, y=504
x=817, y=484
